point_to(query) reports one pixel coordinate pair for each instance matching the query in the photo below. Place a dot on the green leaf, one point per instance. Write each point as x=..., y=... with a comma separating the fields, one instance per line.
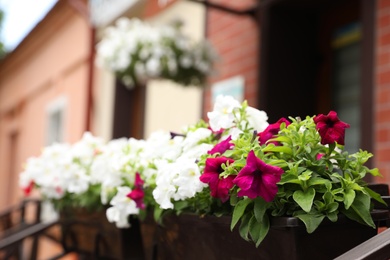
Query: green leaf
x=361, y=206
x=311, y=221
x=332, y=207
x=157, y=213
x=238, y=211
x=376, y=196
x=328, y=197
x=304, y=199
x=283, y=139
x=258, y=230
x=333, y=216
x=318, y=181
x=289, y=178
x=260, y=208
x=244, y=226
x=233, y=198
x=180, y=205
x=356, y=187
x=349, y=197
x=375, y=172
x=305, y=176
x=280, y=149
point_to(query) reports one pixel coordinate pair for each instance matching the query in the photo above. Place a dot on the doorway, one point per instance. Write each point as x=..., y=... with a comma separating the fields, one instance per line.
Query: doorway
x=312, y=57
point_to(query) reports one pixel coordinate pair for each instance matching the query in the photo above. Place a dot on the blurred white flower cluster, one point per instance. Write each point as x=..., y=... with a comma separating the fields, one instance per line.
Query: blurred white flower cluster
x=126, y=176
x=137, y=51
x=62, y=169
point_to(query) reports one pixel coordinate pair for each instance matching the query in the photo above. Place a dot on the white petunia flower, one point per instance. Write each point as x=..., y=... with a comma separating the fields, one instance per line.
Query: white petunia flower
x=122, y=208
x=257, y=119
x=195, y=137
x=187, y=180
x=153, y=67
x=223, y=114
x=165, y=190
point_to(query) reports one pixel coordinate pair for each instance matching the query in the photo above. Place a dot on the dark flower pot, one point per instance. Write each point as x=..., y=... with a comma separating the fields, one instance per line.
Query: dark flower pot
x=191, y=237
x=91, y=235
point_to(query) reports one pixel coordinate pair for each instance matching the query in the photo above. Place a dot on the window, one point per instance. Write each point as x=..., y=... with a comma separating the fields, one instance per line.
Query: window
x=55, y=121
x=346, y=81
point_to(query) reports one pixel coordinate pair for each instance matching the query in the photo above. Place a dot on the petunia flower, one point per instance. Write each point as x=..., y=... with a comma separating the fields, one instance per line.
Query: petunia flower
x=223, y=114
x=319, y=156
x=219, y=186
x=27, y=189
x=222, y=146
x=138, y=194
x=121, y=208
x=139, y=182
x=258, y=179
x=330, y=128
x=271, y=131
x=257, y=119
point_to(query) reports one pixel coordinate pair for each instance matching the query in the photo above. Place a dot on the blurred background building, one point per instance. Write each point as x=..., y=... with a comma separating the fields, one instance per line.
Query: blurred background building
x=286, y=57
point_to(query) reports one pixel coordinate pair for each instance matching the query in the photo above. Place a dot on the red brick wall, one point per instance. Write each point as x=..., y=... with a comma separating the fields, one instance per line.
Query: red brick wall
x=382, y=91
x=236, y=39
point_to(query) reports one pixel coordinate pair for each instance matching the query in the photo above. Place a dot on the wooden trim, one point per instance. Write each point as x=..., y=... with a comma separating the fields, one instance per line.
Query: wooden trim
x=263, y=70
x=367, y=75
x=129, y=111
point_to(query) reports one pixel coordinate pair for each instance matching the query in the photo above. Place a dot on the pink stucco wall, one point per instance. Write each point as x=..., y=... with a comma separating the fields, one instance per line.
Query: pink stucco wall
x=51, y=62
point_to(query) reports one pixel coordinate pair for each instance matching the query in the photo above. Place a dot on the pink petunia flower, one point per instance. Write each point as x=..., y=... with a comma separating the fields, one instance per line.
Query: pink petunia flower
x=271, y=131
x=330, y=128
x=222, y=146
x=138, y=194
x=319, y=156
x=27, y=190
x=139, y=183
x=219, y=187
x=258, y=179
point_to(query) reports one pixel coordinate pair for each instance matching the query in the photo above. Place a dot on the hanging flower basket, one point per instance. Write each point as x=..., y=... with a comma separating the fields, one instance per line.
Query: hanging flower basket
x=137, y=51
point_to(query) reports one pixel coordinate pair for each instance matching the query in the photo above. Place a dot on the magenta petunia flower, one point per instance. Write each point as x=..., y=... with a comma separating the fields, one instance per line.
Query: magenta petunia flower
x=258, y=179
x=27, y=190
x=138, y=194
x=219, y=187
x=222, y=146
x=271, y=131
x=139, y=182
x=319, y=156
x=330, y=128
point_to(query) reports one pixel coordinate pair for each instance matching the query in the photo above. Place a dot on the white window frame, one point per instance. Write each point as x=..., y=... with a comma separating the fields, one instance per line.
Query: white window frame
x=56, y=133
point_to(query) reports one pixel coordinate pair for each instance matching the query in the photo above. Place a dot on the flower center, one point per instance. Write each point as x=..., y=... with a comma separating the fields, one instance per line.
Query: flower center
x=257, y=172
x=330, y=123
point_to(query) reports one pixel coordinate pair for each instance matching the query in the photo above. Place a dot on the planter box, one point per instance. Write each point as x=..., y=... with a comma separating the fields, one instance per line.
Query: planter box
x=91, y=235
x=191, y=237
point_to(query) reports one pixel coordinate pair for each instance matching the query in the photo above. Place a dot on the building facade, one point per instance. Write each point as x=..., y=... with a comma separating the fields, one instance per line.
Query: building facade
x=289, y=58
x=301, y=58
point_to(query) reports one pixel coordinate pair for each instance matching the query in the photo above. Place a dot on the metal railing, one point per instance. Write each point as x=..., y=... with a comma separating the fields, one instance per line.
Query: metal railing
x=378, y=247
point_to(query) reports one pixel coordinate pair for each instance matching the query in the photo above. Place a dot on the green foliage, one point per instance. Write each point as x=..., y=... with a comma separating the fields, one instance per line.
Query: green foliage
x=2, y=47
x=89, y=200
x=319, y=181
